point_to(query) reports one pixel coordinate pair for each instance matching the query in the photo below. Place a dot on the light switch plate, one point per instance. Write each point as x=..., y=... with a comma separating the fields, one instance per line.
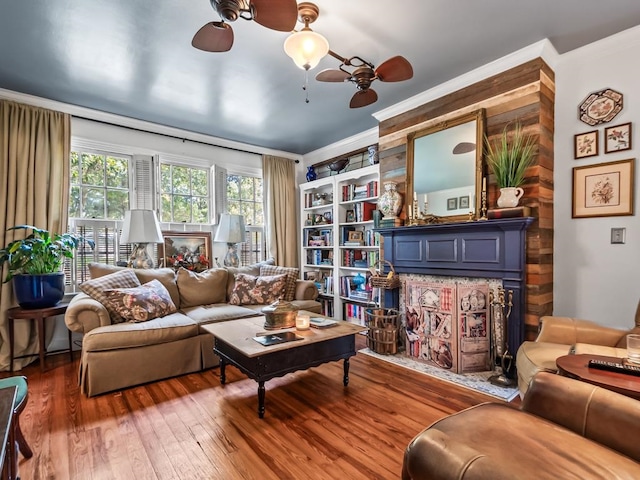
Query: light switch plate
x=617, y=235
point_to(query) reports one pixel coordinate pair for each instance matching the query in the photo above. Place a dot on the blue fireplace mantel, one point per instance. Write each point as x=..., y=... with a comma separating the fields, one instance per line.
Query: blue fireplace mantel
x=480, y=249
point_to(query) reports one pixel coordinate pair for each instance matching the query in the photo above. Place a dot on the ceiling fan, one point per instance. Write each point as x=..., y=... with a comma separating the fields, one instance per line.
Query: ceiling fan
x=278, y=15
x=395, y=69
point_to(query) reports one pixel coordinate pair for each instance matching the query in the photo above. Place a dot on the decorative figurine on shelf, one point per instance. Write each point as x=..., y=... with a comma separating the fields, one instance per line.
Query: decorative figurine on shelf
x=373, y=154
x=311, y=174
x=359, y=280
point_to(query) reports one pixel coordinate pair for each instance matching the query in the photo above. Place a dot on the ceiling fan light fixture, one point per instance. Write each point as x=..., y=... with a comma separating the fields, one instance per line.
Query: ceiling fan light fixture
x=306, y=48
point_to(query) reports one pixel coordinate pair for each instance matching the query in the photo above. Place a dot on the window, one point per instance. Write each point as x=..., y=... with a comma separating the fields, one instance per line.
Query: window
x=244, y=197
x=98, y=199
x=184, y=194
x=99, y=186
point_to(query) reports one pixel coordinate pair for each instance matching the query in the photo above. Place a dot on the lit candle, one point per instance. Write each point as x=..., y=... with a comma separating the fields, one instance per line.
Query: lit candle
x=302, y=322
x=484, y=184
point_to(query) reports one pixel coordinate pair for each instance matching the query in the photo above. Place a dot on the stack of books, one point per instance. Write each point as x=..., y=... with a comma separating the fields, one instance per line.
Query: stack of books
x=509, y=212
x=391, y=222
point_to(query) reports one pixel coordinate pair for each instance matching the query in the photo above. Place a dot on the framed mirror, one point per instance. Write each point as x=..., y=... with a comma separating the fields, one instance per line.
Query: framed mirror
x=444, y=167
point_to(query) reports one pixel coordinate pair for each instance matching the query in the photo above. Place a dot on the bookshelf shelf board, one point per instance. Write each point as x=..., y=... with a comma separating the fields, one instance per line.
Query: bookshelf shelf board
x=358, y=200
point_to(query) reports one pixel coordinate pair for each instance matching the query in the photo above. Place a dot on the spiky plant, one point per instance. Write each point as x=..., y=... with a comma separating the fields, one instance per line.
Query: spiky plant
x=508, y=161
x=39, y=253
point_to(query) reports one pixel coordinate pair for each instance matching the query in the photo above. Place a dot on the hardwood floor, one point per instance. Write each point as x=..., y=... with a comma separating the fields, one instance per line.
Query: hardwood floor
x=191, y=427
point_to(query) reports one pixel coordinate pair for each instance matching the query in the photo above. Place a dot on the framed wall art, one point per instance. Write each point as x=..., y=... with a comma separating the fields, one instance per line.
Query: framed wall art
x=191, y=250
x=585, y=144
x=463, y=202
x=452, y=203
x=600, y=107
x=617, y=138
x=603, y=190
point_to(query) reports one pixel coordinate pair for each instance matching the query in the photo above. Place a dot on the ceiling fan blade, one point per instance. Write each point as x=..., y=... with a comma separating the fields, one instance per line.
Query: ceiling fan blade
x=464, y=147
x=280, y=15
x=214, y=37
x=332, y=75
x=396, y=69
x=362, y=98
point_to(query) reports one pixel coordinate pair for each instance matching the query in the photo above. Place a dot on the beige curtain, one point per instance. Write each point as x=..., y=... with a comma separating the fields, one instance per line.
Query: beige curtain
x=35, y=147
x=280, y=221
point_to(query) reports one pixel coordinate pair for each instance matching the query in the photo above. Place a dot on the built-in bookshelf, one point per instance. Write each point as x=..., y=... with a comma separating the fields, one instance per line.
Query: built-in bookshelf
x=340, y=249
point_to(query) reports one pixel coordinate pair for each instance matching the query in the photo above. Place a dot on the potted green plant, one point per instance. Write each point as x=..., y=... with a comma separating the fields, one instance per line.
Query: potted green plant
x=34, y=265
x=508, y=161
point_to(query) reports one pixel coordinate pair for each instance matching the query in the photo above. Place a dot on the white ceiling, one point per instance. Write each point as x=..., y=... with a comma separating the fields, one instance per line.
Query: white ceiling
x=134, y=58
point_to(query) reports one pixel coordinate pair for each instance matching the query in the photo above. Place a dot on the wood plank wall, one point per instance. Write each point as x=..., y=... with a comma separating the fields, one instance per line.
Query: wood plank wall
x=525, y=93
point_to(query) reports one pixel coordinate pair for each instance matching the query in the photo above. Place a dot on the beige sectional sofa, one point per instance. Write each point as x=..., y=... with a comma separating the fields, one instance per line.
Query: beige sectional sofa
x=119, y=355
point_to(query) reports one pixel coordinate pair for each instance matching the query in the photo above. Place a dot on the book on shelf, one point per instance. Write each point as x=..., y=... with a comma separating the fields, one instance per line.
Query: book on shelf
x=355, y=192
x=509, y=212
x=391, y=222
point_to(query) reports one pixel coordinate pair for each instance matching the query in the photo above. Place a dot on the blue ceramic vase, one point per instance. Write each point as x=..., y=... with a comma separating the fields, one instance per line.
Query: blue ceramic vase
x=311, y=174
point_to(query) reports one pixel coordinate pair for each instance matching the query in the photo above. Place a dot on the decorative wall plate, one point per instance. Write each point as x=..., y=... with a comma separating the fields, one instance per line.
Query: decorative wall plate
x=600, y=107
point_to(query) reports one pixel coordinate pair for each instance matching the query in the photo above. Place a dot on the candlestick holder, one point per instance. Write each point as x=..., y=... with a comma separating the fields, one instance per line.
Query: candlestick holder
x=483, y=208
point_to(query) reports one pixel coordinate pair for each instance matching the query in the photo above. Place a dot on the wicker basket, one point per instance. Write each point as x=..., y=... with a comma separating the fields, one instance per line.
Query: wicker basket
x=383, y=325
x=387, y=281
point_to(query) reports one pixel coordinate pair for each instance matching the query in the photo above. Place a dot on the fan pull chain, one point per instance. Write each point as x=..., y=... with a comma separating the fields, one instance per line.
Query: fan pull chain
x=305, y=86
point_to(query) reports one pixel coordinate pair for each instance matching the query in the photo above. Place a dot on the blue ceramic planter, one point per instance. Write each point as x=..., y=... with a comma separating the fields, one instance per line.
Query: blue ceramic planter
x=38, y=291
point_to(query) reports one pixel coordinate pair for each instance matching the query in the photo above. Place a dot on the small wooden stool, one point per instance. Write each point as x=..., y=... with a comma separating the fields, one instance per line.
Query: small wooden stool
x=38, y=315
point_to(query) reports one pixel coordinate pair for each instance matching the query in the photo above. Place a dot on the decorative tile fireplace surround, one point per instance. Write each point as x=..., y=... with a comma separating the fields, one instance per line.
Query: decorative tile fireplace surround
x=480, y=249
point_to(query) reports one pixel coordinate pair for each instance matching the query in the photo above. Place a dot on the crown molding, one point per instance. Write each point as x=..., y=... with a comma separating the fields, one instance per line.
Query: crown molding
x=543, y=49
x=128, y=122
x=349, y=144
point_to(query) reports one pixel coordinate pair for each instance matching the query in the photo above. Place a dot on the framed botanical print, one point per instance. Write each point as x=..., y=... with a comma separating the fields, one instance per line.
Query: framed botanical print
x=617, y=138
x=585, y=144
x=603, y=190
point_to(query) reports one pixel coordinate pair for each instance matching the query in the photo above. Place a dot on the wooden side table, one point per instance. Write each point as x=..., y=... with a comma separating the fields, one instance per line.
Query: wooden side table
x=577, y=366
x=38, y=315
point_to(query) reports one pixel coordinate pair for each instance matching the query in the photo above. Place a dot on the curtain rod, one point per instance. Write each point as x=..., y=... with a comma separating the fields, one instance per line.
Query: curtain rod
x=166, y=135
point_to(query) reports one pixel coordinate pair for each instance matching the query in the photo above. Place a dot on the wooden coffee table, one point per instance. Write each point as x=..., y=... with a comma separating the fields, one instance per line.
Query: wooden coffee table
x=577, y=366
x=234, y=344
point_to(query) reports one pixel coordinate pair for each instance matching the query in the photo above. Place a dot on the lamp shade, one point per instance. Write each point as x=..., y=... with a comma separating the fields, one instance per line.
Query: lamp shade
x=306, y=48
x=141, y=226
x=230, y=229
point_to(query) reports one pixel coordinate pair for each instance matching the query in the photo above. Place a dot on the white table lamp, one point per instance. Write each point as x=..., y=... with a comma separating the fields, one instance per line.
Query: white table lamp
x=141, y=227
x=231, y=231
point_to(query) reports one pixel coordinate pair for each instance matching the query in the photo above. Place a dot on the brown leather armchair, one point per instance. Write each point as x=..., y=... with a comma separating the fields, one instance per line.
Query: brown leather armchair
x=564, y=429
x=560, y=336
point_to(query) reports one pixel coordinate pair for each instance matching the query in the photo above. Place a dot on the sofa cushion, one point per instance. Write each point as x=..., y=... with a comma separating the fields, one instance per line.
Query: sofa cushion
x=250, y=290
x=96, y=288
x=166, y=276
x=253, y=269
x=202, y=288
x=534, y=357
x=292, y=276
x=220, y=312
x=140, y=304
x=173, y=327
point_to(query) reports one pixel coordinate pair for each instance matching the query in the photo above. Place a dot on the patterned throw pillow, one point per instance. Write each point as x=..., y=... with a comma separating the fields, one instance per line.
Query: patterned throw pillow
x=96, y=287
x=292, y=276
x=139, y=304
x=250, y=290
